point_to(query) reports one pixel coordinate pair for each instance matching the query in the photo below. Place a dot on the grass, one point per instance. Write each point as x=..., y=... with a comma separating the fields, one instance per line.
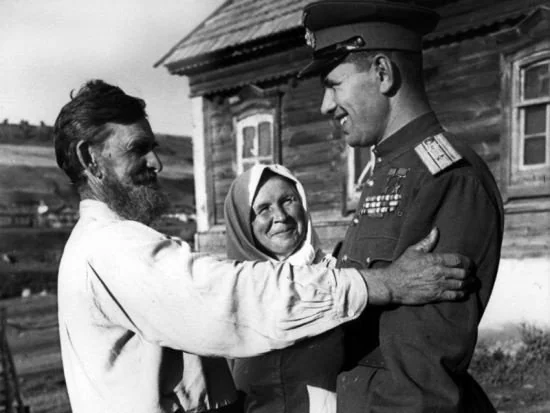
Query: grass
x=516, y=372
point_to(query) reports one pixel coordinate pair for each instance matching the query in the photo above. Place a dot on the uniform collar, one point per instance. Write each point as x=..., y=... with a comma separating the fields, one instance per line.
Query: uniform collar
x=408, y=136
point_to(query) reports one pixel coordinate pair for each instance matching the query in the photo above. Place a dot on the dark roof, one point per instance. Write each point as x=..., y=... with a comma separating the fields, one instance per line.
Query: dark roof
x=244, y=24
x=235, y=23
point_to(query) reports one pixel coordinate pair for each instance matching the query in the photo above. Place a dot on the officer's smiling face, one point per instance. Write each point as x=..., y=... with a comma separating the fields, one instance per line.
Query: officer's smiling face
x=354, y=99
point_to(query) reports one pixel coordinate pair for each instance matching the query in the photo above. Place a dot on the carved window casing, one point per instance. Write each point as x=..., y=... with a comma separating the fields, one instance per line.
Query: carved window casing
x=256, y=125
x=527, y=141
x=525, y=63
x=530, y=151
x=255, y=140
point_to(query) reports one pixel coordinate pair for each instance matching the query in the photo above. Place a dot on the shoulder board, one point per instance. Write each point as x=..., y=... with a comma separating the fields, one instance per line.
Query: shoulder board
x=437, y=153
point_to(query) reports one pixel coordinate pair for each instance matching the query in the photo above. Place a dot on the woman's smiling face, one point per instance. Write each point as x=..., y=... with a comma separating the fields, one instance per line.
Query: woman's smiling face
x=278, y=217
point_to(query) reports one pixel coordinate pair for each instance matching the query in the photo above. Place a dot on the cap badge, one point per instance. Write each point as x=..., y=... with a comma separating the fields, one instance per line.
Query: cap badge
x=310, y=38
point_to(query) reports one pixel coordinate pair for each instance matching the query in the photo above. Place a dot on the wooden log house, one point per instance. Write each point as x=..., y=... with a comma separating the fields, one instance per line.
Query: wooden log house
x=487, y=69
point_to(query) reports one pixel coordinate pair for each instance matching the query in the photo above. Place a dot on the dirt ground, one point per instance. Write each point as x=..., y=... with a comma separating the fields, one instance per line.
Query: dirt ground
x=33, y=337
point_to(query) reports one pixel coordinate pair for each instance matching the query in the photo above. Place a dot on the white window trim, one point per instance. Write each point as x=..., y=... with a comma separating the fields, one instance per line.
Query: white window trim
x=199, y=165
x=253, y=120
x=518, y=115
x=517, y=183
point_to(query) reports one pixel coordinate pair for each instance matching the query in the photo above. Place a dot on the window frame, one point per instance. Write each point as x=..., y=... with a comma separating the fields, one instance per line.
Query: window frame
x=254, y=118
x=519, y=103
x=515, y=173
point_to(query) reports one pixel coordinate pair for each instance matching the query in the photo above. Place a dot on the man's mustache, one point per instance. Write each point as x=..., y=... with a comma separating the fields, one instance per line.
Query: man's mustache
x=145, y=178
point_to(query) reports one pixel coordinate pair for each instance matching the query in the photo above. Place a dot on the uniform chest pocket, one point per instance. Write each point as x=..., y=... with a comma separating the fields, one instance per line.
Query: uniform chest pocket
x=371, y=252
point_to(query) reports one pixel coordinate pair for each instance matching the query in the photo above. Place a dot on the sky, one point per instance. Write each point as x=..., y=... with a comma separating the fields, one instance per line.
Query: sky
x=50, y=47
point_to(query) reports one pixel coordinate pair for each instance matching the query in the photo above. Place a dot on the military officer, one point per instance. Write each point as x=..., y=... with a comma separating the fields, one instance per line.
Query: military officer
x=369, y=56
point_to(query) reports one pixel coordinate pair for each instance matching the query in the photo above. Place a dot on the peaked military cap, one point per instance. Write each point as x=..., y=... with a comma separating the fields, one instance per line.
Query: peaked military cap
x=335, y=28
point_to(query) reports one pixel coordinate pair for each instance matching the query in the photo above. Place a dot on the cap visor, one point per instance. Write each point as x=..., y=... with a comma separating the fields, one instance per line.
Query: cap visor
x=318, y=66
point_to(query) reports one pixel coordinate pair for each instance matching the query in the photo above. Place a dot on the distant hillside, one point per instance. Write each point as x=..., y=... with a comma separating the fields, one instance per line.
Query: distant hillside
x=29, y=173
x=24, y=133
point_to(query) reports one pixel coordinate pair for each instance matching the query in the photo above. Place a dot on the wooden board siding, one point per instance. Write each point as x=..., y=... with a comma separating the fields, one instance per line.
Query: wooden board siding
x=220, y=141
x=302, y=102
x=311, y=147
x=463, y=83
x=527, y=235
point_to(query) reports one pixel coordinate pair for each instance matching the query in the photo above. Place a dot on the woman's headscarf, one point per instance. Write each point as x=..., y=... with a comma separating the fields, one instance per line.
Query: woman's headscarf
x=240, y=243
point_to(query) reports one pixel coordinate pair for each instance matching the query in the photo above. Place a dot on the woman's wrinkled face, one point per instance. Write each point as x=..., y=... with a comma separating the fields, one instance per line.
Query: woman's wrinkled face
x=278, y=218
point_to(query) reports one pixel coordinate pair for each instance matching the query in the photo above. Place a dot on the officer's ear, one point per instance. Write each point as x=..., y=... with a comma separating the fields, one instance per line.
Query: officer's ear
x=386, y=73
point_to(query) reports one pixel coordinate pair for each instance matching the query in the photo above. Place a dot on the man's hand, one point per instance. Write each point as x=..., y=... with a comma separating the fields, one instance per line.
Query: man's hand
x=420, y=277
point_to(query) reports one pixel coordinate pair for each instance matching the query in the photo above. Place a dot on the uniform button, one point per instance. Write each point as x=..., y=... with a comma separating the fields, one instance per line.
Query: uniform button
x=368, y=260
x=370, y=182
x=355, y=221
x=345, y=258
x=378, y=160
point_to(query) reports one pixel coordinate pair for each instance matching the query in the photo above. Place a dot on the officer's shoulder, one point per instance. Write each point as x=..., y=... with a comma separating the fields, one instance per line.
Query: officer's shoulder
x=442, y=154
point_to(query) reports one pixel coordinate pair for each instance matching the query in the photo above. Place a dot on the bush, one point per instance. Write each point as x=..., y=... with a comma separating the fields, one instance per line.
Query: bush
x=513, y=362
x=537, y=342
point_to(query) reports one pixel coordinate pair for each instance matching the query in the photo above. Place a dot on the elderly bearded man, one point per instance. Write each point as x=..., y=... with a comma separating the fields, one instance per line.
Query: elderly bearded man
x=137, y=308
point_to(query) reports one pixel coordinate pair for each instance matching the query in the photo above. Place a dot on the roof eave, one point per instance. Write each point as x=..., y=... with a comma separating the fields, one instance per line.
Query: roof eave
x=286, y=39
x=444, y=39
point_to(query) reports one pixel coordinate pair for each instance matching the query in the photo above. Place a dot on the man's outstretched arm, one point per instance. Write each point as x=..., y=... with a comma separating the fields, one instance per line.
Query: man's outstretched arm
x=157, y=288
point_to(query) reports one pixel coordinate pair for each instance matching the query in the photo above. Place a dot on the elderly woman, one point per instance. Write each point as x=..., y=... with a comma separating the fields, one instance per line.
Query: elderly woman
x=267, y=219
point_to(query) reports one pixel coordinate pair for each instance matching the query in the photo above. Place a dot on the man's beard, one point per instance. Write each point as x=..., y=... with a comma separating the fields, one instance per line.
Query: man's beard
x=136, y=202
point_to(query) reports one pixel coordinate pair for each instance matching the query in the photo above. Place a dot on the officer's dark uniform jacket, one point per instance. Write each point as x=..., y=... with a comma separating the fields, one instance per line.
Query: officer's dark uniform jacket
x=419, y=362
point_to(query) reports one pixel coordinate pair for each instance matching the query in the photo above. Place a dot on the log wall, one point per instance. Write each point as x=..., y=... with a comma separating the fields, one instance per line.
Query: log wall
x=463, y=84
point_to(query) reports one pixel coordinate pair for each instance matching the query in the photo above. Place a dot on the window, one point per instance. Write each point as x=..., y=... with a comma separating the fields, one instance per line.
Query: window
x=358, y=172
x=525, y=142
x=532, y=109
x=254, y=141
x=528, y=172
